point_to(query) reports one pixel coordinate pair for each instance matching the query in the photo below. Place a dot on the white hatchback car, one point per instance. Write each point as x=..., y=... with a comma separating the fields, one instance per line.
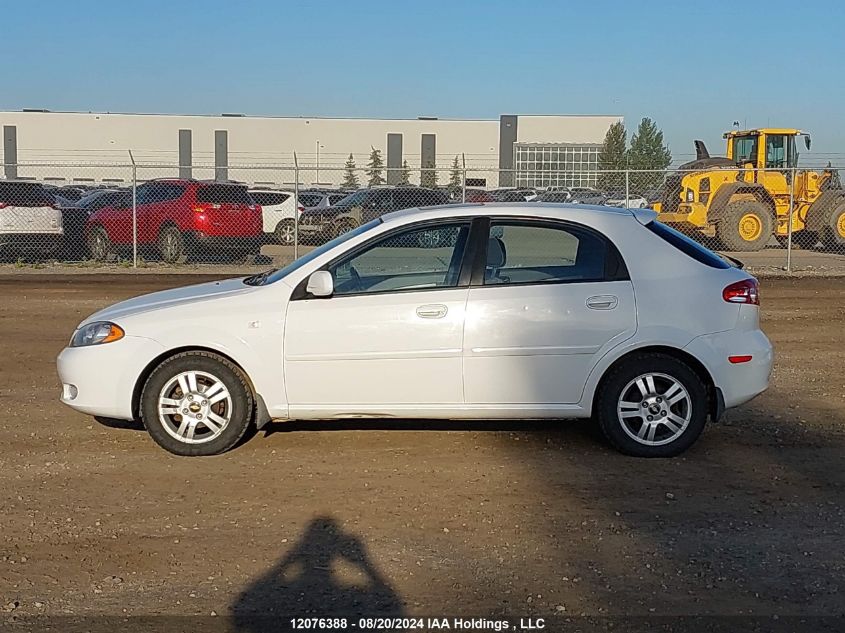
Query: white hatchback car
x=514, y=311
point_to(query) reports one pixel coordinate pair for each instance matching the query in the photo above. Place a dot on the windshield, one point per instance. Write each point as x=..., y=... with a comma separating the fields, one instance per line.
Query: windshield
x=274, y=275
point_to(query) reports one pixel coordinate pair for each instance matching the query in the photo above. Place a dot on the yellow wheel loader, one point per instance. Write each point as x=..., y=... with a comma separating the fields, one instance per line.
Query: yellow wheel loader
x=743, y=199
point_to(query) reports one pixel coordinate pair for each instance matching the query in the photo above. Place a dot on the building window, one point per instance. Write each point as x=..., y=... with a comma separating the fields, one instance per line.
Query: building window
x=556, y=164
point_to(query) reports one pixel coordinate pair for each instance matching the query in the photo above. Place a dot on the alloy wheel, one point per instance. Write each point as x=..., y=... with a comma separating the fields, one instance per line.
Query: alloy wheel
x=194, y=407
x=654, y=409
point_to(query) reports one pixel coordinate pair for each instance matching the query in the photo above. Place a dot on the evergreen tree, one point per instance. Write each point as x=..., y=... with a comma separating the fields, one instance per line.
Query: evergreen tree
x=405, y=174
x=375, y=168
x=455, y=177
x=350, y=178
x=648, y=151
x=612, y=158
x=428, y=176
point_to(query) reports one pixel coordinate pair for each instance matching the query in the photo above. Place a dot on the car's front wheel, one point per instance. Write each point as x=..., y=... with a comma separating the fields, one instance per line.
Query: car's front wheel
x=196, y=403
x=652, y=405
x=99, y=245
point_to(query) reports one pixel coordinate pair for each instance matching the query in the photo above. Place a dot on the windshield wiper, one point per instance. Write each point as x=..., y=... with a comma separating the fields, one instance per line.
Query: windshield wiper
x=260, y=279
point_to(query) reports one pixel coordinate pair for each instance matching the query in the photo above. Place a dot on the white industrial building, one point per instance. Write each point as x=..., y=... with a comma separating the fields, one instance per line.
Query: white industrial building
x=43, y=144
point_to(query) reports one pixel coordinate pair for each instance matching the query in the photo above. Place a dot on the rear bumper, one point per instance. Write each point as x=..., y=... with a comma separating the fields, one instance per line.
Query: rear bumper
x=31, y=241
x=738, y=382
x=196, y=239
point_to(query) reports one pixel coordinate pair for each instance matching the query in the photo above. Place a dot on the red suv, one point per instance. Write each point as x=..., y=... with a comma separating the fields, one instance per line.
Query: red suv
x=176, y=217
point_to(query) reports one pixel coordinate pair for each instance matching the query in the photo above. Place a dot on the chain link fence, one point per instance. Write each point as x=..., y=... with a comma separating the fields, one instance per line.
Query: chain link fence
x=267, y=215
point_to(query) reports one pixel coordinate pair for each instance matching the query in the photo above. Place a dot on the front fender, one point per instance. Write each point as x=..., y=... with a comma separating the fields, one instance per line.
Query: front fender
x=257, y=350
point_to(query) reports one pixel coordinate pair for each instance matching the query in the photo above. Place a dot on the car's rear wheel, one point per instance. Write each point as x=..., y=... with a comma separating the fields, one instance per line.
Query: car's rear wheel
x=99, y=244
x=196, y=403
x=343, y=226
x=171, y=245
x=285, y=232
x=652, y=405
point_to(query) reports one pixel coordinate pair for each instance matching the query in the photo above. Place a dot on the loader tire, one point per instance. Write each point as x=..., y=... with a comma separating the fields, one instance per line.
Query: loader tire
x=833, y=229
x=745, y=225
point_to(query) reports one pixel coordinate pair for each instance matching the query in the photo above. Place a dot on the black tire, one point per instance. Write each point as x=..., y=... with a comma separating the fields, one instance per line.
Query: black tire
x=285, y=232
x=171, y=244
x=833, y=230
x=343, y=226
x=240, y=416
x=616, y=385
x=99, y=244
x=732, y=227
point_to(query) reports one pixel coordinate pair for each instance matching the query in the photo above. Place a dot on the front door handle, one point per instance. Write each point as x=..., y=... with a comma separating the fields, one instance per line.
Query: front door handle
x=603, y=302
x=432, y=311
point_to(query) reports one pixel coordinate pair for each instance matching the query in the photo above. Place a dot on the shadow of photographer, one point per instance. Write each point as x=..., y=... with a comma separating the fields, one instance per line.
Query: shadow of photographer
x=328, y=573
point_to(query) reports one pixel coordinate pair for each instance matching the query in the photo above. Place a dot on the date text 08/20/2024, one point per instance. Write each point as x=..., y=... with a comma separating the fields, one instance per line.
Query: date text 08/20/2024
x=418, y=624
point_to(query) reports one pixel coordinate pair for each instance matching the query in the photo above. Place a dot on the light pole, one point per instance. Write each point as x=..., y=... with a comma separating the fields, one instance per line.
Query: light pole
x=317, y=173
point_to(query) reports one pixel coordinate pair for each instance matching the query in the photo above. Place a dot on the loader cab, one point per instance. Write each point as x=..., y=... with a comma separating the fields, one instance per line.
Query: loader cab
x=765, y=148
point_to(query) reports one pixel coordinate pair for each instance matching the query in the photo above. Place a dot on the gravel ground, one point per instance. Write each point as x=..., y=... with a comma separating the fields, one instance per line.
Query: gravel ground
x=421, y=518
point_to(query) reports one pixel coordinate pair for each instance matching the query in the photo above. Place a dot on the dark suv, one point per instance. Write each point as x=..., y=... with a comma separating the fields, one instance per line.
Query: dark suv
x=176, y=217
x=363, y=206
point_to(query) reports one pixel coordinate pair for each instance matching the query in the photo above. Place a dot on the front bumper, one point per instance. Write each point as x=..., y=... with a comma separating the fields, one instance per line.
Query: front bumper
x=100, y=379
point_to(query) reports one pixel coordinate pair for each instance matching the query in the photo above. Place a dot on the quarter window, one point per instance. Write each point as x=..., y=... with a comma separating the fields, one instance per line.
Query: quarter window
x=524, y=253
x=417, y=259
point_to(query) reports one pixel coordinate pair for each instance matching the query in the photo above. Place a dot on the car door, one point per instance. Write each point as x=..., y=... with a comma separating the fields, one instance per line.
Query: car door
x=552, y=298
x=389, y=339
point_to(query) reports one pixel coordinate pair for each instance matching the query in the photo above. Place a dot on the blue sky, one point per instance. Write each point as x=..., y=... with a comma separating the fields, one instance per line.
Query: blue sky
x=695, y=67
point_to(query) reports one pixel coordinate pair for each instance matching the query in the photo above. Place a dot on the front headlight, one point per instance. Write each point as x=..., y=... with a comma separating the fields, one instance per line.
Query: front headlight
x=96, y=333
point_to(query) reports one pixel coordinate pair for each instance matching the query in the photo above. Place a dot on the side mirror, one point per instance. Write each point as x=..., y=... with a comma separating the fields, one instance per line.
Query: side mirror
x=320, y=284
x=807, y=142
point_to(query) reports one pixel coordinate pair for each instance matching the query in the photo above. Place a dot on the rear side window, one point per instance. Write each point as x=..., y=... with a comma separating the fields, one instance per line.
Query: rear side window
x=25, y=194
x=223, y=194
x=687, y=245
x=268, y=198
x=532, y=252
x=310, y=199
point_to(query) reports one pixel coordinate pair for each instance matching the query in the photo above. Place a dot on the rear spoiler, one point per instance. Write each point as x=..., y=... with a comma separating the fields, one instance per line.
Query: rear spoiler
x=644, y=216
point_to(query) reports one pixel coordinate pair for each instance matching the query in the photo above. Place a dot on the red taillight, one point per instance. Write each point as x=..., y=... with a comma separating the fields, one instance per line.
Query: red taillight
x=300, y=208
x=2, y=205
x=745, y=291
x=744, y=358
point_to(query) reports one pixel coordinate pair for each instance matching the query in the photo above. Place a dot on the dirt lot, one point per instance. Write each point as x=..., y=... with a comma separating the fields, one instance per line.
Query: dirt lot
x=414, y=518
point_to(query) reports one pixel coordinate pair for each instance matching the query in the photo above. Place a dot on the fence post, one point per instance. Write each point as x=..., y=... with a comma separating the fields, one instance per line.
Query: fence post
x=134, y=211
x=464, y=180
x=295, y=207
x=627, y=187
x=789, y=225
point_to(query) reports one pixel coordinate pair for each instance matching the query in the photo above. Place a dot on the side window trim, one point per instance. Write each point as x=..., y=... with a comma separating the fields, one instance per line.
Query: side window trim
x=614, y=267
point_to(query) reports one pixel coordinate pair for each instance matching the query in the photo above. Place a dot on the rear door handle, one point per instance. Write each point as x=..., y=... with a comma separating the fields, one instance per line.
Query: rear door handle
x=603, y=302
x=432, y=311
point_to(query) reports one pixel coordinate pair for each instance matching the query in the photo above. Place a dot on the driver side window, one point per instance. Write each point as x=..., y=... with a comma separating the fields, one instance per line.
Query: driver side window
x=416, y=259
